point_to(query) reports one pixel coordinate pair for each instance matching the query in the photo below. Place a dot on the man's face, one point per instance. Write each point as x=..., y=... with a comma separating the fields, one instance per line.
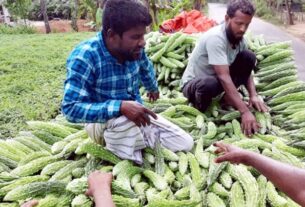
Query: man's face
x=132, y=43
x=238, y=25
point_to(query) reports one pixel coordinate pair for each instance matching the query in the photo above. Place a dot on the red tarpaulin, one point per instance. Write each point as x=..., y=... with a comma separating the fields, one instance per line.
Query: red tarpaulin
x=189, y=22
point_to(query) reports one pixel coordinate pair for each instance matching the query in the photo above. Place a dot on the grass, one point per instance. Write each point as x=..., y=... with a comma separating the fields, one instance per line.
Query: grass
x=32, y=73
x=20, y=29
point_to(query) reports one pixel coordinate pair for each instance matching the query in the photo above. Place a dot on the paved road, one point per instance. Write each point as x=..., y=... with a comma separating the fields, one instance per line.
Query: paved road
x=271, y=33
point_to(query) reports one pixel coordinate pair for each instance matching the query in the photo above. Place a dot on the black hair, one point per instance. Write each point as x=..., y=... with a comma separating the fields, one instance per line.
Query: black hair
x=122, y=15
x=245, y=6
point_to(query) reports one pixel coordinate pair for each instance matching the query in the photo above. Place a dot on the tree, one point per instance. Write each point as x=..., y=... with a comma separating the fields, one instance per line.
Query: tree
x=18, y=8
x=74, y=15
x=43, y=9
x=198, y=5
x=289, y=12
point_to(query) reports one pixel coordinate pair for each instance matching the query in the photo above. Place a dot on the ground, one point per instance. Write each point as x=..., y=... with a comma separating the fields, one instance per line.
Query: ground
x=297, y=30
x=62, y=26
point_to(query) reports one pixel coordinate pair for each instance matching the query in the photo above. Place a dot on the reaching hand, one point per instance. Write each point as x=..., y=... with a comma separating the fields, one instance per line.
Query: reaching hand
x=249, y=124
x=30, y=203
x=258, y=104
x=137, y=113
x=98, y=182
x=230, y=153
x=153, y=96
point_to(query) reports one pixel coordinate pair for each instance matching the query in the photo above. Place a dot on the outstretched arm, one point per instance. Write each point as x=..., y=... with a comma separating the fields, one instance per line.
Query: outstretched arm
x=100, y=189
x=249, y=123
x=255, y=101
x=287, y=178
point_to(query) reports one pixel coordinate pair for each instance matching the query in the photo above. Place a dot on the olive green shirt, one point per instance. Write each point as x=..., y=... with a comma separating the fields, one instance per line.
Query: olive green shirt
x=212, y=48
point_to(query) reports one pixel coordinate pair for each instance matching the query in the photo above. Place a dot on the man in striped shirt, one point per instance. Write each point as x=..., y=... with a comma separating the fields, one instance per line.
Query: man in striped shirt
x=102, y=86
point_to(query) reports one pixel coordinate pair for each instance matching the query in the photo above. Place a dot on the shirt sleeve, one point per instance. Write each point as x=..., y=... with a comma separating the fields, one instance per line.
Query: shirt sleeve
x=217, y=52
x=78, y=105
x=147, y=74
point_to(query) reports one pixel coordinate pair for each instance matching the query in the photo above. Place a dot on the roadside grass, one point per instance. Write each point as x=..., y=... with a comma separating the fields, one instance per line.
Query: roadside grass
x=32, y=73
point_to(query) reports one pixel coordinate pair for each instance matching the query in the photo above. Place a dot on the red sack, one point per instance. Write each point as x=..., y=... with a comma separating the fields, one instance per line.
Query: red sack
x=189, y=22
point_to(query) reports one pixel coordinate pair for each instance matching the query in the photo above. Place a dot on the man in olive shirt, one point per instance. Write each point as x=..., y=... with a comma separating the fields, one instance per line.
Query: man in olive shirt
x=221, y=62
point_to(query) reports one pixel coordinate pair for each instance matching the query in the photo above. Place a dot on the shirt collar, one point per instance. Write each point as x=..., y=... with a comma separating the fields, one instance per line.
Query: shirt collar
x=102, y=43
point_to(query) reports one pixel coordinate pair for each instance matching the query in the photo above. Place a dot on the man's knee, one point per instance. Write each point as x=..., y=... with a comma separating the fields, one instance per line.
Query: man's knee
x=248, y=58
x=96, y=132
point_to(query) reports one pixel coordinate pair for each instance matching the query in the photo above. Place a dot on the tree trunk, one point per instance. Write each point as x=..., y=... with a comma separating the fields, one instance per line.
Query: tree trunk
x=43, y=9
x=6, y=14
x=197, y=5
x=289, y=13
x=74, y=16
x=154, y=10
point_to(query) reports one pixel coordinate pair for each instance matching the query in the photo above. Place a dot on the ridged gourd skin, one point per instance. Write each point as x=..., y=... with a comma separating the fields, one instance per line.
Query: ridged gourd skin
x=46, y=136
x=214, y=200
x=33, y=156
x=78, y=186
x=52, y=168
x=50, y=200
x=262, y=183
x=278, y=56
x=22, y=181
x=237, y=129
x=298, y=96
x=261, y=119
x=140, y=188
x=158, y=181
x=197, y=178
x=33, y=166
x=225, y=179
x=118, y=188
x=98, y=152
x=121, y=201
x=183, y=193
x=81, y=201
x=275, y=90
x=202, y=157
x=237, y=196
x=212, y=131
x=169, y=155
x=219, y=190
x=214, y=170
x=273, y=197
x=172, y=203
x=35, y=189
x=230, y=116
x=183, y=163
x=248, y=182
x=53, y=128
x=281, y=81
x=67, y=170
x=8, y=162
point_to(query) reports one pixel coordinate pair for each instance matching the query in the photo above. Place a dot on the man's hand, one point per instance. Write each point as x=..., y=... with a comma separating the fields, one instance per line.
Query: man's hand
x=137, y=113
x=258, y=104
x=98, y=182
x=30, y=203
x=230, y=153
x=249, y=124
x=153, y=96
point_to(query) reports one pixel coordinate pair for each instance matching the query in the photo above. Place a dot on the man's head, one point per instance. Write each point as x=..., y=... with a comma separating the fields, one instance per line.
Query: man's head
x=124, y=26
x=238, y=17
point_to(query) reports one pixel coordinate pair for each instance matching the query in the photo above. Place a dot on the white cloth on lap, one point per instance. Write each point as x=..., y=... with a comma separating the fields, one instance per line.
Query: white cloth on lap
x=126, y=140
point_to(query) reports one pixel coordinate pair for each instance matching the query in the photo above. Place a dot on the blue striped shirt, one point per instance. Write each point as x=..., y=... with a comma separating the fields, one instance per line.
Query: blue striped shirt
x=97, y=83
